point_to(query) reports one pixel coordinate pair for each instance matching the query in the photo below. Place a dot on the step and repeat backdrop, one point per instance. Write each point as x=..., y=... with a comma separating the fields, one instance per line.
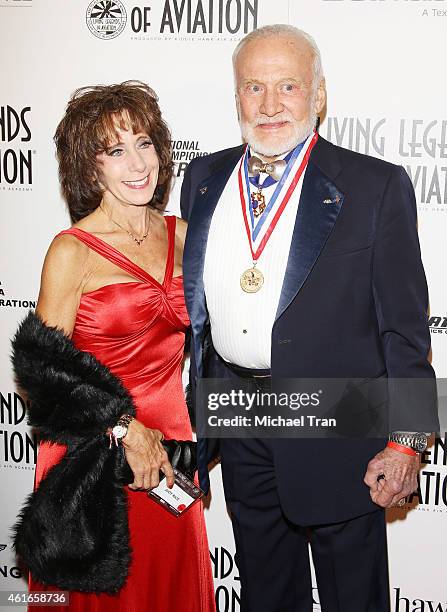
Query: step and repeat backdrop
x=383, y=60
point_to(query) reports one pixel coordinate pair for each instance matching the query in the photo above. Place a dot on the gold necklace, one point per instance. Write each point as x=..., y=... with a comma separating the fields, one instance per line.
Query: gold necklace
x=139, y=241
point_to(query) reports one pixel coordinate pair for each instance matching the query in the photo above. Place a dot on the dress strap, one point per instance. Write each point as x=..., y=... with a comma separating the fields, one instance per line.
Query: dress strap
x=109, y=252
x=171, y=222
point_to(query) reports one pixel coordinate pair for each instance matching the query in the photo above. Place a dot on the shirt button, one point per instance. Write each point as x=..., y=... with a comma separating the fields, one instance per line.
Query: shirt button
x=244, y=331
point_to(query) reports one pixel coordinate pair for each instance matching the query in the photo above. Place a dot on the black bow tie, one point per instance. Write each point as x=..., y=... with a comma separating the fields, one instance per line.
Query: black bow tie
x=274, y=169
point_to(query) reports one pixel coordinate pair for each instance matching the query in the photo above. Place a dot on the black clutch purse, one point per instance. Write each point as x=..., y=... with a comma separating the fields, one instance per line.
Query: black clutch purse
x=182, y=455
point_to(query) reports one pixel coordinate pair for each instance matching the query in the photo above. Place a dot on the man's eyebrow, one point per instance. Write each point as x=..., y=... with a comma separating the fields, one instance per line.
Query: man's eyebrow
x=294, y=79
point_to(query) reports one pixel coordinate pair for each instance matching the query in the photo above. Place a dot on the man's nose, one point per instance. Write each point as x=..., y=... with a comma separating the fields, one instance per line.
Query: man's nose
x=271, y=104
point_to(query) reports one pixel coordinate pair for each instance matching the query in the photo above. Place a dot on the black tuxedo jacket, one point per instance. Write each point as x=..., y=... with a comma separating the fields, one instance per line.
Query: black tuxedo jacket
x=353, y=304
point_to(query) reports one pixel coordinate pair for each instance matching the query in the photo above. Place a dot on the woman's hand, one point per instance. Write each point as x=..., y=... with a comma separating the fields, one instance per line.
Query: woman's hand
x=146, y=456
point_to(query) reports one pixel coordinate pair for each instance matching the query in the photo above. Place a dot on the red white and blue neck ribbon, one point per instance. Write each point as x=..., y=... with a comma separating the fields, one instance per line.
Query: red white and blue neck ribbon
x=253, y=232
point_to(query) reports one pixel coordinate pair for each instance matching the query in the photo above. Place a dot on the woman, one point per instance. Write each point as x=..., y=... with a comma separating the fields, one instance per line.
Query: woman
x=113, y=284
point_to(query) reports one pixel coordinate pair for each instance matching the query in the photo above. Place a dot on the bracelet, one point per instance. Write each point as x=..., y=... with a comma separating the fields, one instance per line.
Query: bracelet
x=125, y=419
x=401, y=448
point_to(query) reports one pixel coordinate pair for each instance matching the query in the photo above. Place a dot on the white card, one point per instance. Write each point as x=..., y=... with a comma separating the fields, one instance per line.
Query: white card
x=178, y=499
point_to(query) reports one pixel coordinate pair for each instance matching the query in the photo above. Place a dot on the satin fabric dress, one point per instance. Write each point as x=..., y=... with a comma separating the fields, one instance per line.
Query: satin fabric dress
x=137, y=330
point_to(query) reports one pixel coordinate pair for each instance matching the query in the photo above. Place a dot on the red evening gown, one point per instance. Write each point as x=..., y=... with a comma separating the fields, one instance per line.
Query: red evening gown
x=137, y=329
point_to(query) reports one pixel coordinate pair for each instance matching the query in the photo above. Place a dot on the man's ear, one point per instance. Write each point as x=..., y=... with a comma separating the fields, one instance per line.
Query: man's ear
x=320, y=97
x=238, y=105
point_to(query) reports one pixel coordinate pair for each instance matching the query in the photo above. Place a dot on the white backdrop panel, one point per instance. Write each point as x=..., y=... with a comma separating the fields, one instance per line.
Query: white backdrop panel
x=382, y=61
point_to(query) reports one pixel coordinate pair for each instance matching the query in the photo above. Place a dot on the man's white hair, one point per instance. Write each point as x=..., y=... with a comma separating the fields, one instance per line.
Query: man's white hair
x=286, y=31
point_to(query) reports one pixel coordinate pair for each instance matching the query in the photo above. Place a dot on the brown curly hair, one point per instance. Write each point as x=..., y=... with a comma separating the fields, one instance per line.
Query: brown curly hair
x=89, y=126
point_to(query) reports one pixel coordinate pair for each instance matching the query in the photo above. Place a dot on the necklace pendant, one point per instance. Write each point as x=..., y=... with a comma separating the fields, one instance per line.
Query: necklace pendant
x=258, y=203
x=139, y=241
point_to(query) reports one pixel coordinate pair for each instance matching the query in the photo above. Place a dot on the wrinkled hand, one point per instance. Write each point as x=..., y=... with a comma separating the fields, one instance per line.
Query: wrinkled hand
x=400, y=471
x=146, y=456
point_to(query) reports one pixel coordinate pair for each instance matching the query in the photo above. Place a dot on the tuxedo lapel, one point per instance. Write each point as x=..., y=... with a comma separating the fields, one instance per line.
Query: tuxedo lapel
x=206, y=199
x=319, y=206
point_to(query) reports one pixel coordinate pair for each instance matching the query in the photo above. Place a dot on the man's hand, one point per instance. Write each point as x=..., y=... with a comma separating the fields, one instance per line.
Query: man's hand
x=400, y=476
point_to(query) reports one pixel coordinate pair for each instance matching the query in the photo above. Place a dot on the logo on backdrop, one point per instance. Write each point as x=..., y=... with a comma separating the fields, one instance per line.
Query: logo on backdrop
x=18, y=447
x=362, y=135
x=226, y=580
x=184, y=20
x=7, y=571
x=7, y=302
x=16, y=156
x=438, y=325
x=431, y=494
x=420, y=145
x=404, y=603
x=106, y=19
x=208, y=17
x=183, y=151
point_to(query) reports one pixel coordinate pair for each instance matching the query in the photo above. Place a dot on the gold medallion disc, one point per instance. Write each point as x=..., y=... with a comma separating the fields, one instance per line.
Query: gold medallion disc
x=252, y=280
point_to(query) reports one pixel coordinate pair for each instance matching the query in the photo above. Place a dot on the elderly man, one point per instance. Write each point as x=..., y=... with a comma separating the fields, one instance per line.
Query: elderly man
x=304, y=267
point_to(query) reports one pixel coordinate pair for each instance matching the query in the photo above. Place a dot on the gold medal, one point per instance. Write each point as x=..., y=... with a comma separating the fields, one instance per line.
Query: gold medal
x=252, y=280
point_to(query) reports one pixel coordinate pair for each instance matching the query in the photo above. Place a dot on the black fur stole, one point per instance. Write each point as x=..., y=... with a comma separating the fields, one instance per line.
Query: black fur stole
x=73, y=530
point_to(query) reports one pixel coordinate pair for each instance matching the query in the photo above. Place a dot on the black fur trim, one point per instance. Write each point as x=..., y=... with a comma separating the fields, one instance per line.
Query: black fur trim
x=73, y=395
x=73, y=530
